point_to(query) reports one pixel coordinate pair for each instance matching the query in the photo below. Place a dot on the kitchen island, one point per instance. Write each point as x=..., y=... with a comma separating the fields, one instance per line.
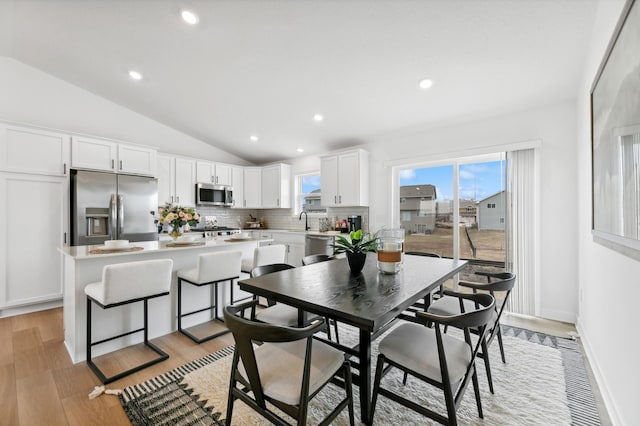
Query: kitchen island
x=82, y=265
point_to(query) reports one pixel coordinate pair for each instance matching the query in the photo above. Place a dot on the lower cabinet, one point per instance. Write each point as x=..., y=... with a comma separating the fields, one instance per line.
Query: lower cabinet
x=33, y=225
x=295, y=246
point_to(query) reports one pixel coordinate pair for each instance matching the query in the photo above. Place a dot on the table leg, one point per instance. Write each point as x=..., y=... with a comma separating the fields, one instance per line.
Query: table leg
x=365, y=375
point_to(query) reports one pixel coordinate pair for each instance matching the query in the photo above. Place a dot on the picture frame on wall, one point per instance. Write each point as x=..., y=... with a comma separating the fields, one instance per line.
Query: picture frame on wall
x=615, y=139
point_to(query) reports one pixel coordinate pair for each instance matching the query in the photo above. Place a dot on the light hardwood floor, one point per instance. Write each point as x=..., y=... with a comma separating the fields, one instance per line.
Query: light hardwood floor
x=40, y=386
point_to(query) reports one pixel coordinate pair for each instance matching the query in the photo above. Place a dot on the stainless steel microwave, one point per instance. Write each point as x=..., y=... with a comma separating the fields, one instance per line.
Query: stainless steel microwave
x=208, y=194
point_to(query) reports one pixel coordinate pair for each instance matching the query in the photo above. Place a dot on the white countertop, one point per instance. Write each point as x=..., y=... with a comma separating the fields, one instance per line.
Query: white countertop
x=84, y=252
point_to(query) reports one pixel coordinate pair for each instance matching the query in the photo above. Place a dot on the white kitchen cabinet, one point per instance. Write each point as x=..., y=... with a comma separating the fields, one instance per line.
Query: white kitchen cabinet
x=294, y=242
x=252, y=187
x=217, y=173
x=109, y=156
x=137, y=160
x=27, y=150
x=93, y=154
x=176, y=180
x=30, y=265
x=237, y=179
x=276, y=186
x=344, y=179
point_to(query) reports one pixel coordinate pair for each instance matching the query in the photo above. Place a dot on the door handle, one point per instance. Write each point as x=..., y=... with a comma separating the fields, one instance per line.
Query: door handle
x=120, y=164
x=113, y=216
x=113, y=164
x=120, y=215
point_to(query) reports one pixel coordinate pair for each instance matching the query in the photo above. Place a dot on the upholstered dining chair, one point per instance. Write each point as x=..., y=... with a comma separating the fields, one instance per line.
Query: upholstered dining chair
x=439, y=359
x=287, y=370
x=279, y=313
x=317, y=258
x=501, y=282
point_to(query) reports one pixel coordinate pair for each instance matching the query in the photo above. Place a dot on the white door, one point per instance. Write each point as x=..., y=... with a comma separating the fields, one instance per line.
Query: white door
x=252, y=187
x=271, y=187
x=136, y=160
x=348, y=179
x=237, y=184
x=185, y=182
x=329, y=181
x=166, y=184
x=29, y=260
x=205, y=172
x=223, y=174
x=93, y=154
x=26, y=150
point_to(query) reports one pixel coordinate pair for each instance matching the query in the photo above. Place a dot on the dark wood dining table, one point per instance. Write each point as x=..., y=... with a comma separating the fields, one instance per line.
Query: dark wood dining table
x=368, y=301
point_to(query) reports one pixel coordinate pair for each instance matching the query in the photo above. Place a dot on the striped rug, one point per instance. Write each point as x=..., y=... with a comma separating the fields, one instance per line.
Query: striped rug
x=169, y=399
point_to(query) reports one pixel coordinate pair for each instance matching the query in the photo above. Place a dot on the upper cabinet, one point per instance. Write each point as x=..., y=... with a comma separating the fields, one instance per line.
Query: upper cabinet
x=136, y=160
x=217, y=173
x=99, y=154
x=176, y=180
x=93, y=154
x=26, y=150
x=237, y=177
x=252, y=187
x=345, y=179
x=276, y=186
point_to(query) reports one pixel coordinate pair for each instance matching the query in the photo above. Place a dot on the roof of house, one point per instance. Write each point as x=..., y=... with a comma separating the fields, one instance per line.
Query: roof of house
x=418, y=191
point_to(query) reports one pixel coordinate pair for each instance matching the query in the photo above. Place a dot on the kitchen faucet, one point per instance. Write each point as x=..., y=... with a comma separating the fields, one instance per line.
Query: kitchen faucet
x=306, y=220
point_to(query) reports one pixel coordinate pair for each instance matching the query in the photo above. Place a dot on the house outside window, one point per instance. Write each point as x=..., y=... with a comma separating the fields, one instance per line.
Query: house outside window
x=308, y=194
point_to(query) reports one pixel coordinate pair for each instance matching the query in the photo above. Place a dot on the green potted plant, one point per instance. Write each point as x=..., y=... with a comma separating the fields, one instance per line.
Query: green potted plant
x=356, y=248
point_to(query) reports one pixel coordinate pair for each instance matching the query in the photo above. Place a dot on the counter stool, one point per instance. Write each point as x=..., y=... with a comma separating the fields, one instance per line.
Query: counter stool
x=265, y=255
x=122, y=284
x=212, y=268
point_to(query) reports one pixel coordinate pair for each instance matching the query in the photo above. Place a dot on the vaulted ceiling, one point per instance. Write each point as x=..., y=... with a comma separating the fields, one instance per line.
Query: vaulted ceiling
x=265, y=68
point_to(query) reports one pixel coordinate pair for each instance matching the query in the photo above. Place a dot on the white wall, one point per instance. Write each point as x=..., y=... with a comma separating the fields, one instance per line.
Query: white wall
x=609, y=284
x=555, y=127
x=30, y=96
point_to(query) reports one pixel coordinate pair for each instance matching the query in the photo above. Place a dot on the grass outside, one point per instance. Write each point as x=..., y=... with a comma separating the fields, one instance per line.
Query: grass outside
x=489, y=245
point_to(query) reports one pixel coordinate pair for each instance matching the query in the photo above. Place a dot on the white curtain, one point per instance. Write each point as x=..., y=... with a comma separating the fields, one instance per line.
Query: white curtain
x=521, y=229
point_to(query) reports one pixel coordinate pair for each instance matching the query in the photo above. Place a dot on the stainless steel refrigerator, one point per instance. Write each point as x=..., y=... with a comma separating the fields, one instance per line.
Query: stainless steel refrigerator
x=108, y=206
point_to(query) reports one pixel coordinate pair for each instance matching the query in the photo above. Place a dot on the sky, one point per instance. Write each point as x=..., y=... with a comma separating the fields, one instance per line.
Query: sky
x=309, y=183
x=477, y=181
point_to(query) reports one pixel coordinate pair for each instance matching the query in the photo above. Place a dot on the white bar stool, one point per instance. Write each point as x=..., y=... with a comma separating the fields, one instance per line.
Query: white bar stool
x=122, y=284
x=265, y=255
x=212, y=268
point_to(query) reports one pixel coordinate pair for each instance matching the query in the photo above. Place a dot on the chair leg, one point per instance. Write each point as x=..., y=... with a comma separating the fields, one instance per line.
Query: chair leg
x=476, y=391
x=451, y=405
x=376, y=385
x=487, y=366
x=349, y=388
x=335, y=326
x=179, y=304
x=232, y=385
x=404, y=378
x=500, y=343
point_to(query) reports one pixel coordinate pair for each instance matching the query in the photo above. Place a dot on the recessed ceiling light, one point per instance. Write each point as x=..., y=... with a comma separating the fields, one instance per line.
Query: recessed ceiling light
x=425, y=83
x=253, y=138
x=300, y=150
x=189, y=17
x=135, y=75
x=318, y=117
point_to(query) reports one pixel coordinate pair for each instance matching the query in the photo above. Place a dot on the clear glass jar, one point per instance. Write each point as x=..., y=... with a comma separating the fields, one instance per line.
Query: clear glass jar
x=390, y=250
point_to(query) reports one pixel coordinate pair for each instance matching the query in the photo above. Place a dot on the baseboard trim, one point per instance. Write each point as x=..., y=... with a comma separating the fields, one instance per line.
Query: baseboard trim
x=27, y=309
x=608, y=400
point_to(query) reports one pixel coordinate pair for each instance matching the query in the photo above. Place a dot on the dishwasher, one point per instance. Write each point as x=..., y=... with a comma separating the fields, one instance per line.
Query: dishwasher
x=318, y=244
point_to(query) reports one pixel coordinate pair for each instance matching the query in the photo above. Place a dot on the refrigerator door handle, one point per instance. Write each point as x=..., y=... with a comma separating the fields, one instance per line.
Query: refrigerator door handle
x=120, y=215
x=113, y=217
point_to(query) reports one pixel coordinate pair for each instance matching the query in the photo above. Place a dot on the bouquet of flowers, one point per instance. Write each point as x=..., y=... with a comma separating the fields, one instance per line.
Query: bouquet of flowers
x=176, y=216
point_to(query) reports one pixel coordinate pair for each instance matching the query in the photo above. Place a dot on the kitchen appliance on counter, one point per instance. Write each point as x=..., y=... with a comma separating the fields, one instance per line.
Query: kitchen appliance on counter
x=355, y=223
x=108, y=206
x=208, y=194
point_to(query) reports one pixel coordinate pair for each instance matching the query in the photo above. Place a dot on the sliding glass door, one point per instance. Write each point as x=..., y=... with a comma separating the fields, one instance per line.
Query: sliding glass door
x=457, y=210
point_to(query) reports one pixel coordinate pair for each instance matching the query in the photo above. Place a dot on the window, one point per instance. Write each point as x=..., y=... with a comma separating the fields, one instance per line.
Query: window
x=406, y=216
x=308, y=194
x=491, y=205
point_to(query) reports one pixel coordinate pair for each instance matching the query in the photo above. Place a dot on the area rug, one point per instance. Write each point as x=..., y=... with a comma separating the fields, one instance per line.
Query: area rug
x=543, y=382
